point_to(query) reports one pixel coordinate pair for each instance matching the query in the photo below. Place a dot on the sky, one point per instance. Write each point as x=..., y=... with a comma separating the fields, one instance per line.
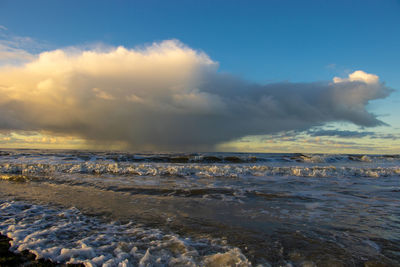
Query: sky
x=260, y=76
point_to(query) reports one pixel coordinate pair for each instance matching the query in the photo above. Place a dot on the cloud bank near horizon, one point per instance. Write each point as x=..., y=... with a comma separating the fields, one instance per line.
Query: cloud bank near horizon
x=168, y=96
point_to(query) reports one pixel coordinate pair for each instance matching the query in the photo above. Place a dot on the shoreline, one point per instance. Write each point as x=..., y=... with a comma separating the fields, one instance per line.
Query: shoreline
x=25, y=258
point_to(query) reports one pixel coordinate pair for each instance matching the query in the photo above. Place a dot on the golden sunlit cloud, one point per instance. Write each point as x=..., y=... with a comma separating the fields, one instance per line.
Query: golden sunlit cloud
x=167, y=96
x=358, y=76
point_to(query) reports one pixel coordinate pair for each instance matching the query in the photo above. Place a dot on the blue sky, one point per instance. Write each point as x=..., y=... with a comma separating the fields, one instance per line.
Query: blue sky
x=259, y=41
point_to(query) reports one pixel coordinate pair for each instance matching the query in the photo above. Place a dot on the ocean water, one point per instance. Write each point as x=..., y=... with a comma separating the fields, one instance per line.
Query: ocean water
x=202, y=209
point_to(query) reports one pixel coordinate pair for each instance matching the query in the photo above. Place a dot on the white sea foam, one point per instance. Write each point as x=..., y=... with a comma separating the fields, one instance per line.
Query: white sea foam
x=199, y=170
x=67, y=236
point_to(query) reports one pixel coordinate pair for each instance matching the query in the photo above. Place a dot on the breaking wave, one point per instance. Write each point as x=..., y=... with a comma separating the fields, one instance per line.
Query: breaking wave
x=196, y=170
x=225, y=158
x=67, y=236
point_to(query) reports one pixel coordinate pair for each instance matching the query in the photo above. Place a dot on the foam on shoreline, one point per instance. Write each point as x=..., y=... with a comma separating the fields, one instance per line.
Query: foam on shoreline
x=68, y=236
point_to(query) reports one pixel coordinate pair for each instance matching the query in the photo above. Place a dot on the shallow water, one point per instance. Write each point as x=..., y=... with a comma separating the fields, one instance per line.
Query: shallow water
x=210, y=209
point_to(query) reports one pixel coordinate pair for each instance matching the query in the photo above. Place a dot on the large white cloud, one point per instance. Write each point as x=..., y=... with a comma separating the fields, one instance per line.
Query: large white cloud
x=168, y=96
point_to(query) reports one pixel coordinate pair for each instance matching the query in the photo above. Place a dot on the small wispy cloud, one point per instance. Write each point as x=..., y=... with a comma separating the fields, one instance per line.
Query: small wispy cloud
x=331, y=66
x=340, y=133
x=11, y=55
x=18, y=49
x=386, y=136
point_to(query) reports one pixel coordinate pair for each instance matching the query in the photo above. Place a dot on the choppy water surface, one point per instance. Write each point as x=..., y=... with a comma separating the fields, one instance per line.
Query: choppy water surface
x=204, y=209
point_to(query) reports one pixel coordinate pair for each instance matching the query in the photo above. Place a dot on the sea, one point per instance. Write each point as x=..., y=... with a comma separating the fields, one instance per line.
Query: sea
x=107, y=208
